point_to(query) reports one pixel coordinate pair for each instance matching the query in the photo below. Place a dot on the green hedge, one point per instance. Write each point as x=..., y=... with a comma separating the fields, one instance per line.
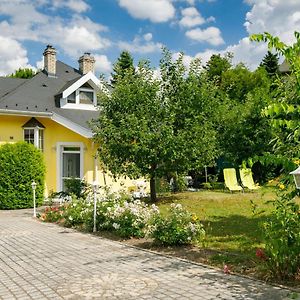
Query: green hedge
x=20, y=164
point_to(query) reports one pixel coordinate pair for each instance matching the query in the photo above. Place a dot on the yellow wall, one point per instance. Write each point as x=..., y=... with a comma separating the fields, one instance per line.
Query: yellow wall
x=11, y=131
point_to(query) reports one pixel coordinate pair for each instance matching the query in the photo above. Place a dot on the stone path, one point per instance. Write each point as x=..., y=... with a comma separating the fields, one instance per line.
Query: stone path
x=45, y=261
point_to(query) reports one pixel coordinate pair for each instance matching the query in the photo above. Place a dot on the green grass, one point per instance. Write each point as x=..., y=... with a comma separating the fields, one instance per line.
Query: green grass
x=233, y=226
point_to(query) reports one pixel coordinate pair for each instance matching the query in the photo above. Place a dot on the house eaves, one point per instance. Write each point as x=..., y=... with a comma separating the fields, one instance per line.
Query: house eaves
x=53, y=116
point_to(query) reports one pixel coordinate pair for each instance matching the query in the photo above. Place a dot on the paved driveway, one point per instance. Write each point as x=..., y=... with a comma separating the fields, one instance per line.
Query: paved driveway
x=44, y=261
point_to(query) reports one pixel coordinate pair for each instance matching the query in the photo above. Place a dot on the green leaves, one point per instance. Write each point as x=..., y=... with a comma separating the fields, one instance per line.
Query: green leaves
x=20, y=164
x=152, y=127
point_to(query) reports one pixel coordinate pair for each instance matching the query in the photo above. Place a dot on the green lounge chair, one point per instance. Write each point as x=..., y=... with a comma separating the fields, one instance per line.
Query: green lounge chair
x=230, y=180
x=247, y=179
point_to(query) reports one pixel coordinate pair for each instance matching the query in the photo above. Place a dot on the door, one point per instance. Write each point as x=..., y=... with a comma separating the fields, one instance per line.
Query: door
x=71, y=164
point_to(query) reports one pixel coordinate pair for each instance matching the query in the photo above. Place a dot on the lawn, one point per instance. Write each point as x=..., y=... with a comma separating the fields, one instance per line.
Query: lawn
x=232, y=223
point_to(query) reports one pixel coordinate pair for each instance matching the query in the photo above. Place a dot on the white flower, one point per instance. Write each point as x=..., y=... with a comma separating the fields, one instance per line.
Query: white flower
x=70, y=218
x=116, y=226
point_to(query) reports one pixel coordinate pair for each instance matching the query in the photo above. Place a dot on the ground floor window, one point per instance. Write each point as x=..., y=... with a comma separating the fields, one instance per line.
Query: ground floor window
x=34, y=133
x=34, y=136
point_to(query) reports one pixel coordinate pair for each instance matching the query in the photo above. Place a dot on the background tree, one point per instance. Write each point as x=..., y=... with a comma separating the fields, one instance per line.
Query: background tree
x=270, y=63
x=283, y=111
x=25, y=73
x=124, y=64
x=151, y=127
x=217, y=65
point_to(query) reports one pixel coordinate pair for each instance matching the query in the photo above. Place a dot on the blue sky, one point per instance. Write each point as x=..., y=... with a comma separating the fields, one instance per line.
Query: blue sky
x=199, y=28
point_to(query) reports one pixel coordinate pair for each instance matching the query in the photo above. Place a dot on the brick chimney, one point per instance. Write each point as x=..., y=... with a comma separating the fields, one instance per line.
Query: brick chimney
x=50, y=61
x=86, y=63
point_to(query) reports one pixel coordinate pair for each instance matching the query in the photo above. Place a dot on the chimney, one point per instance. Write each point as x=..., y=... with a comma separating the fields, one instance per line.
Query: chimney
x=50, y=61
x=86, y=63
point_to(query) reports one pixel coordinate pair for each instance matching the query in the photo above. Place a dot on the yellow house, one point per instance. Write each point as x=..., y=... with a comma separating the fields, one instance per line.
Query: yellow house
x=52, y=111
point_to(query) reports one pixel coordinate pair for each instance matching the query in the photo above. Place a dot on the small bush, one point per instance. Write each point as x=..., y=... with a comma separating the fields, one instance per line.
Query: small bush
x=128, y=219
x=178, y=227
x=282, y=239
x=52, y=214
x=20, y=164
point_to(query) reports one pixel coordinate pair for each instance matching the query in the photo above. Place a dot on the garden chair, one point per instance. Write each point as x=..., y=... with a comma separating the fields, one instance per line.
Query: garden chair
x=247, y=179
x=231, y=181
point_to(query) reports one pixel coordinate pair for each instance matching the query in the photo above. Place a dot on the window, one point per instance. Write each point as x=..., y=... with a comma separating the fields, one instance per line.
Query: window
x=83, y=98
x=34, y=133
x=34, y=136
x=72, y=98
x=86, y=97
x=29, y=136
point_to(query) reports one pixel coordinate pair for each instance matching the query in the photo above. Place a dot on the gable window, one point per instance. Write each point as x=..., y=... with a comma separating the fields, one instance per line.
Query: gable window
x=72, y=98
x=86, y=96
x=33, y=132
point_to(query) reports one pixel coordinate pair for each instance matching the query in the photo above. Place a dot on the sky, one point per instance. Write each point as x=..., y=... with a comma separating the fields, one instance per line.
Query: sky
x=198, y=28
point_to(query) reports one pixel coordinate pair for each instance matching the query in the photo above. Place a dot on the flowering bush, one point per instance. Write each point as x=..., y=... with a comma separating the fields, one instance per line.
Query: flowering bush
x=52, y=214
x=77, y=212
x=128, y=219
x=178, y=227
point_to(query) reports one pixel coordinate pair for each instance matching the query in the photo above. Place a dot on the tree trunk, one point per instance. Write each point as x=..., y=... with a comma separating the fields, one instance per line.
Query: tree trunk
x=152, y=189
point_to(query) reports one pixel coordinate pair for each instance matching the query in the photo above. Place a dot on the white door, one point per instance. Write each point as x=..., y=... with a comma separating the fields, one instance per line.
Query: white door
x=71, y=164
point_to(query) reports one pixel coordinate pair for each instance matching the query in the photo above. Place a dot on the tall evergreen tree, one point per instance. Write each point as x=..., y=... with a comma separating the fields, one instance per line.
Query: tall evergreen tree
x=270, y=63
x=123, y=64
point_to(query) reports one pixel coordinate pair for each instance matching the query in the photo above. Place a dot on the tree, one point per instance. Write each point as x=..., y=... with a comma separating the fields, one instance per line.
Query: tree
x=283, y=112
x=124, y=64
x=25, y=73
x=237, y=82
x=244, y=131
x=152, y=127
x=217, y=65
x=270, y=63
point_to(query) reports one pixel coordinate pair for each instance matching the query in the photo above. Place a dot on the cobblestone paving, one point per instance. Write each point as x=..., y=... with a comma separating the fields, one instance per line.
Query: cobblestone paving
x=45, y=261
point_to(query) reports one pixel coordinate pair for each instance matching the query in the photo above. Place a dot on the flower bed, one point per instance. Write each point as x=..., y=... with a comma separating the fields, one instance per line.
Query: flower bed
x=129, y=218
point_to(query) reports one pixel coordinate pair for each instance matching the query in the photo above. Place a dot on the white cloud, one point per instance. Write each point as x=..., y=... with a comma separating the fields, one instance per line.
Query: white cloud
x=77, y=6
x=102, y=65
x=280, y=18
x=148, y=37
x=191, y=17
x=154, y=10
x=210, y=35
x=74, y=34
x=12, y=56
x=141, y=45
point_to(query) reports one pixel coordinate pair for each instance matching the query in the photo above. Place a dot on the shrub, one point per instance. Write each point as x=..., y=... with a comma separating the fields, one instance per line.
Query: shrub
x=282, y=239
x=77, y=212
x=178, y=227
x=127, y=219
x=52, y=214
x=20, y=164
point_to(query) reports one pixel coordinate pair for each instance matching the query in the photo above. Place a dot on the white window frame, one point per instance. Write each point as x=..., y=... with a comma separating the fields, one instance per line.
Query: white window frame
x=59, y=161
x=36, y=136
x=77, y=105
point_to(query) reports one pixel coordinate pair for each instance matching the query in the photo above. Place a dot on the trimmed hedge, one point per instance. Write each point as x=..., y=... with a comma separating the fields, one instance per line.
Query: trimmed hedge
x=20, y=164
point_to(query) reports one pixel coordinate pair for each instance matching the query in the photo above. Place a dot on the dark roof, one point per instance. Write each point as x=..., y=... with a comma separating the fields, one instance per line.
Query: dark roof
x=38, y=94
x=33, y=122
x=8, y=84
